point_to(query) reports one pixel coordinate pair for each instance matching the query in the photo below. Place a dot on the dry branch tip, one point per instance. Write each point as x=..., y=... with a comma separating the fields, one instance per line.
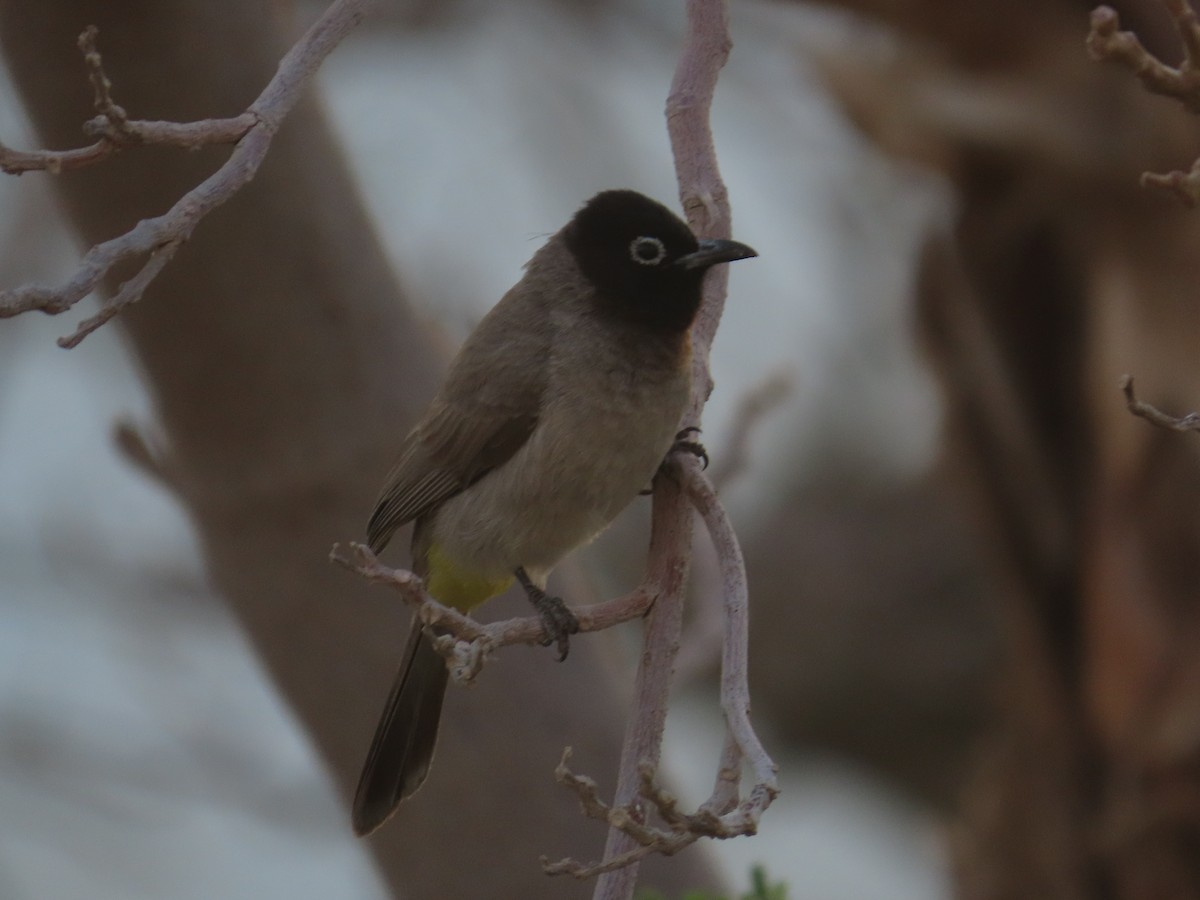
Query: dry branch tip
x=1107, y=43
x=251, y=133
x=1189, y=422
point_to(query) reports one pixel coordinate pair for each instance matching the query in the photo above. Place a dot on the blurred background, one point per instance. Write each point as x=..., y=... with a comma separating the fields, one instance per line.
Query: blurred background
x=973, y=622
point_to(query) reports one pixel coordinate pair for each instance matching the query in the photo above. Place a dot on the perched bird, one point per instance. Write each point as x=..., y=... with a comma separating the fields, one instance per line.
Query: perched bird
x=554, y=415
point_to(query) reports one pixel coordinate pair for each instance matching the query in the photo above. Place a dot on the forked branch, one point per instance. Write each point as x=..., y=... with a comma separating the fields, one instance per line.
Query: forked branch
x=1106, y=42
x=467, y=645
x=157, y=239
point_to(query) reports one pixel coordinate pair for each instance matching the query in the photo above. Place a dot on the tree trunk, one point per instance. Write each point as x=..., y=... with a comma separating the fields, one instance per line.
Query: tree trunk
x=1055, y=276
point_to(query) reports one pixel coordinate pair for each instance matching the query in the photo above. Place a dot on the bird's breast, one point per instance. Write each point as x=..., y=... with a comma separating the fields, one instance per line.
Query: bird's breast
x=608, y=418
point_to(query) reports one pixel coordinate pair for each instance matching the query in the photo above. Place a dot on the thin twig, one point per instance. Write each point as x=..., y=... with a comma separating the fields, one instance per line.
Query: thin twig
x=467, y=643
x=702, y=192
x=1184, y=185
x=184, y=135
x=160, y=237
x=129, y=292
x=1189, y=422
x=647, y=839
x=101, y=85
x=735, y=689
x=704, y=631
x=1106, y=42
x=18, y=162
x=667, y=565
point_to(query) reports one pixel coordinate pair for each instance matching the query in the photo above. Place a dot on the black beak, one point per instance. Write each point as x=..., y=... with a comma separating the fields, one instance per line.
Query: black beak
x=713, y=252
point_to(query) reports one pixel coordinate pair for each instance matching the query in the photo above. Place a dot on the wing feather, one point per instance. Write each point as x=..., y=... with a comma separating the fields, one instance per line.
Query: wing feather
x=484, y=413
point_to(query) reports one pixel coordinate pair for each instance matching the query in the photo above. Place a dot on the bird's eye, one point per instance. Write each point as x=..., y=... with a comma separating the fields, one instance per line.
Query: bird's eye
x=647, y=251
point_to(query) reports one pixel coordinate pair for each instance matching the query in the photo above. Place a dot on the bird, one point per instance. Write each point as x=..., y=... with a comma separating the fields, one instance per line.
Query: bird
x=556, y=412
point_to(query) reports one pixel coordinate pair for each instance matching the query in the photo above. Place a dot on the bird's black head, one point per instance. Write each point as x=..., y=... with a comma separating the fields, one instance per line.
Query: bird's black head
x=643, y=259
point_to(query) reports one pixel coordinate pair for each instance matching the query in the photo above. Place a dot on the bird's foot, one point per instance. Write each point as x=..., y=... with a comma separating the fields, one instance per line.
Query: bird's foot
x=557, y=620
x=684, y=445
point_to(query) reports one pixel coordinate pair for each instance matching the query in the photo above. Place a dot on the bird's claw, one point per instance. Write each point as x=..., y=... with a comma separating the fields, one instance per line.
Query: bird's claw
x=558, y=621
x=683, y=445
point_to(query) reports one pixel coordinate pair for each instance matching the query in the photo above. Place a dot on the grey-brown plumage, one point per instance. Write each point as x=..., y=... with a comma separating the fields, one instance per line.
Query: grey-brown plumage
x=555, y=413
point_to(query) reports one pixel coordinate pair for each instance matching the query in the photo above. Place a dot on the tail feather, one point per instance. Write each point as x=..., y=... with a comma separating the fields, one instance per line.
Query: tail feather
x=402, y=748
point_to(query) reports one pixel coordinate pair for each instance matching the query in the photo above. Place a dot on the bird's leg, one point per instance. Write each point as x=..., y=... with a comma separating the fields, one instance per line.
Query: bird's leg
x=560, y=623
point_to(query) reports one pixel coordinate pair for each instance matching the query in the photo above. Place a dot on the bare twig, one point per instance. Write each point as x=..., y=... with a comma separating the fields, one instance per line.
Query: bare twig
x=1106, y=42
x=668, y=563
x=467, y=644
x=681, y=831
x=735, y=690
x=705, y=200
x=704, y=631
x=701, y=190
x=129, y=292
x=724, y=814
x=101, y=85
x=1189, y=422
x=185, y=135
x=160, y=237
x=1184, y=185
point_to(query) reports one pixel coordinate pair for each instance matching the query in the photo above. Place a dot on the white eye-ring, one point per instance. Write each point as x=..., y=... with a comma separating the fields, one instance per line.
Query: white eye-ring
x=647, y=251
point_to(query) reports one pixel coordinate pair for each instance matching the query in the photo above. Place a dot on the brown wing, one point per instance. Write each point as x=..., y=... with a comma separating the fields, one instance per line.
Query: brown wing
x=483, y=414
x=442, y=458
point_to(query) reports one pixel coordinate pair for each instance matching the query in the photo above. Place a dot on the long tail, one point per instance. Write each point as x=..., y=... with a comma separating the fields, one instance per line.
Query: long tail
x=405, y=737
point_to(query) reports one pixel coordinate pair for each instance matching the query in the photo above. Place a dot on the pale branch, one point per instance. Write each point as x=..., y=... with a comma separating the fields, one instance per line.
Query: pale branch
x=706, y=46
x=1106, y=42
x=735, y=688
x=160, y=237
x=1184, y=185
x=703, y=632
x=629, y=820
x=667, y=569
x=681, y=829
x=468, y=648
x=466, y=643
x=132, y=132
x=725, y=814
x=18, y=162
x=127, y=293
x=101, y=84
x=1189, y=422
